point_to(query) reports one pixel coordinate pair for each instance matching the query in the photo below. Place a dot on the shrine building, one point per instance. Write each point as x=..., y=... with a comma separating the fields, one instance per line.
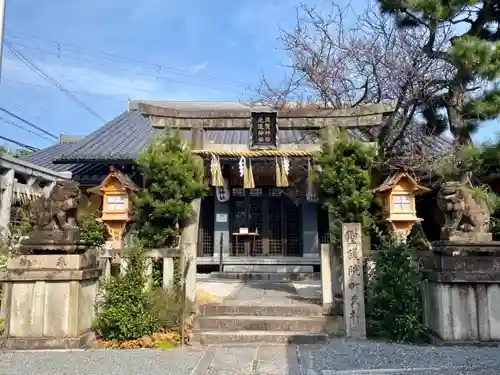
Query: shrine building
x=261, y=210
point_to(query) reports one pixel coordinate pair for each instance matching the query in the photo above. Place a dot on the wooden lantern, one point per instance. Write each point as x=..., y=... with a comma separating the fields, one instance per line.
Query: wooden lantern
x=398, y=193
x=116, y=190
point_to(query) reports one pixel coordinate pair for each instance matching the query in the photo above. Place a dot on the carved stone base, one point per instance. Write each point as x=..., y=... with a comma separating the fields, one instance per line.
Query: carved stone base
x=462, y=247
x=48, y=300
x=67, y=241
x=37, y=343
x=470, y=237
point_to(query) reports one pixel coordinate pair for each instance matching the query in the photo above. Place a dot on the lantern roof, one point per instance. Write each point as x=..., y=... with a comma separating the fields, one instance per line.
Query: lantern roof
x=123, y=178
x=392, y=180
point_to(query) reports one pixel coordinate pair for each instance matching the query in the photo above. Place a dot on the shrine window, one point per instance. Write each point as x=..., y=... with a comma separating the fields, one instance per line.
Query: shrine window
x=402, y=203
x=116, y=202
x=264, y=130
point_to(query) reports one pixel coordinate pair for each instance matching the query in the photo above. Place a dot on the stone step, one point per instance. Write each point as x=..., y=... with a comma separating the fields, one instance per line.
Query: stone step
x=266, y=276
x=280, y=337
x=311, y=324
x=260, y=310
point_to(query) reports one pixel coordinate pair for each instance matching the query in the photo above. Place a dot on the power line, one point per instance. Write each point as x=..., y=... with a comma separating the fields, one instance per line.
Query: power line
x=154, y=76
x=25, y=129
x=19, y=143
x=28, y=123
x=40, y=72
x=111, y=97
x=106, y=55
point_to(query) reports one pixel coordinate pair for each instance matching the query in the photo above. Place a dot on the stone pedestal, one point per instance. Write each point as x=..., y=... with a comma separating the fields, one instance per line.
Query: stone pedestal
x=462, y=295
x=48, y=300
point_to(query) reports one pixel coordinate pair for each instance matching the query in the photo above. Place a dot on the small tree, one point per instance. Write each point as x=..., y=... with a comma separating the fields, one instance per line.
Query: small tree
x=125, y=311
x=345, y=182
x=173, y=178
x=393, y=294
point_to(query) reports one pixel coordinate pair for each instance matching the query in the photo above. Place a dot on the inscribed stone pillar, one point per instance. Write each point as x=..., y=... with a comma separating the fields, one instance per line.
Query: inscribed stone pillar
x=221, y=229
x=310, y=239
x=189, y=240
x=6, y=202
x=353, y=285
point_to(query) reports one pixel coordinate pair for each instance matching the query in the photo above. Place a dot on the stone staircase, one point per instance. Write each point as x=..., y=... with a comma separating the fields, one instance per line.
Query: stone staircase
x=266, y=276
x=237, y=322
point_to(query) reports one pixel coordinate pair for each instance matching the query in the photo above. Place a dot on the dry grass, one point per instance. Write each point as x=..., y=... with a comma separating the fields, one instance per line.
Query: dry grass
x=203, y=297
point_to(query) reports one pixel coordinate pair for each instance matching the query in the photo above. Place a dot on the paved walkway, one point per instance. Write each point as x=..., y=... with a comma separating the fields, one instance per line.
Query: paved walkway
x=339, y=357
x=272, y=293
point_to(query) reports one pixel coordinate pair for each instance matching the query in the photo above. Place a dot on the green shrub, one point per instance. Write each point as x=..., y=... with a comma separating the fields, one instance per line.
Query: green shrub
x=393, y=295
x=92, y=231
x=125, y=311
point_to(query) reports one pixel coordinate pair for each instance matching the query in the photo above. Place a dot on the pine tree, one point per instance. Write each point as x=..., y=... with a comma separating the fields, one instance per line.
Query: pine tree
x=471, y=94
x=173, y=178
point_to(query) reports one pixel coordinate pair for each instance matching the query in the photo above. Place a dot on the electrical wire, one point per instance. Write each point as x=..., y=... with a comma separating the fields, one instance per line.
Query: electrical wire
x=25, y=129
x=40, y=72
x=106, y=55
x=31, y=148
x=28, y=123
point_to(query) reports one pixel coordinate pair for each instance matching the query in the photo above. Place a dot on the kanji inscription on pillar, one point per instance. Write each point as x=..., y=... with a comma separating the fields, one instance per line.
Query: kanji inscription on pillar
x=354, y=301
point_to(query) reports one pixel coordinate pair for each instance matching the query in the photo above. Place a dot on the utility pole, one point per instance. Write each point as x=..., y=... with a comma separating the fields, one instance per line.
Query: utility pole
x=2, y=28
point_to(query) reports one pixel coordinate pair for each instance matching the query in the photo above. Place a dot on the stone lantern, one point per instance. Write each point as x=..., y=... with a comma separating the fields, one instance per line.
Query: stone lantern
x=398, y=194
x=116, y=189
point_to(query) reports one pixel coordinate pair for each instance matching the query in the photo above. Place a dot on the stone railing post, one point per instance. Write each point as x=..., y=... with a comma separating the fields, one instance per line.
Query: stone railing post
x=105, y=258
x=148, y=272
x=189, y=240
x=168, y=272
x=326, y=278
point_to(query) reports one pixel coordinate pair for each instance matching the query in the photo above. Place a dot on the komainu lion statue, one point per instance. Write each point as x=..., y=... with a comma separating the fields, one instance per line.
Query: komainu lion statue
x=466, y=218
x=57, y=212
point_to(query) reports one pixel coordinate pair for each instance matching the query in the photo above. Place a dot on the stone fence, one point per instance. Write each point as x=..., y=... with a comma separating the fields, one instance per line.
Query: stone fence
x=108, y=257
x=48, y=299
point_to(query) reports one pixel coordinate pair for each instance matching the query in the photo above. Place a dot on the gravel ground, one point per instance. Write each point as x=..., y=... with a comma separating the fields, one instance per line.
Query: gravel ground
x=339, y=357
x=366, y=357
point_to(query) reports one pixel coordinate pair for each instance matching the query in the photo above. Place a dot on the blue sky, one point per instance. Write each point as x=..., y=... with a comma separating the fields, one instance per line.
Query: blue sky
x=106, y=52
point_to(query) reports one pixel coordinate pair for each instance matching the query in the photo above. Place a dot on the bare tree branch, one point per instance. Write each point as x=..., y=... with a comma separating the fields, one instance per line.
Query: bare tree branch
x=351, y=57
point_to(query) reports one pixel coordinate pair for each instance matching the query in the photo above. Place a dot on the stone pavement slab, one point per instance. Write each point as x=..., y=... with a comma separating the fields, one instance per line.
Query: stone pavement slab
x=102, y=362
x=338, y=357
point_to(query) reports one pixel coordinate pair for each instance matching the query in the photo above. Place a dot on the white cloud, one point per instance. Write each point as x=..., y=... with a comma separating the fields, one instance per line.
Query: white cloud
x=198, y=68
x=88, y=80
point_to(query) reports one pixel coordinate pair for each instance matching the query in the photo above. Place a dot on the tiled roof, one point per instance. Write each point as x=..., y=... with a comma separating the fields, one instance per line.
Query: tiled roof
x=121, y=139
x=46, y=156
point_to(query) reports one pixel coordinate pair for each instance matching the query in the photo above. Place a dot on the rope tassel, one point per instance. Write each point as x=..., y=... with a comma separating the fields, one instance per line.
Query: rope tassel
x=311, y=180
x=278, y=173
x=285, y=164
x=247, y=173
x=216, y=172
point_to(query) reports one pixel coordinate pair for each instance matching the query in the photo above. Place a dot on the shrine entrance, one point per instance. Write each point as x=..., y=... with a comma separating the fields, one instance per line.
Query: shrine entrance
x=271, y=218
